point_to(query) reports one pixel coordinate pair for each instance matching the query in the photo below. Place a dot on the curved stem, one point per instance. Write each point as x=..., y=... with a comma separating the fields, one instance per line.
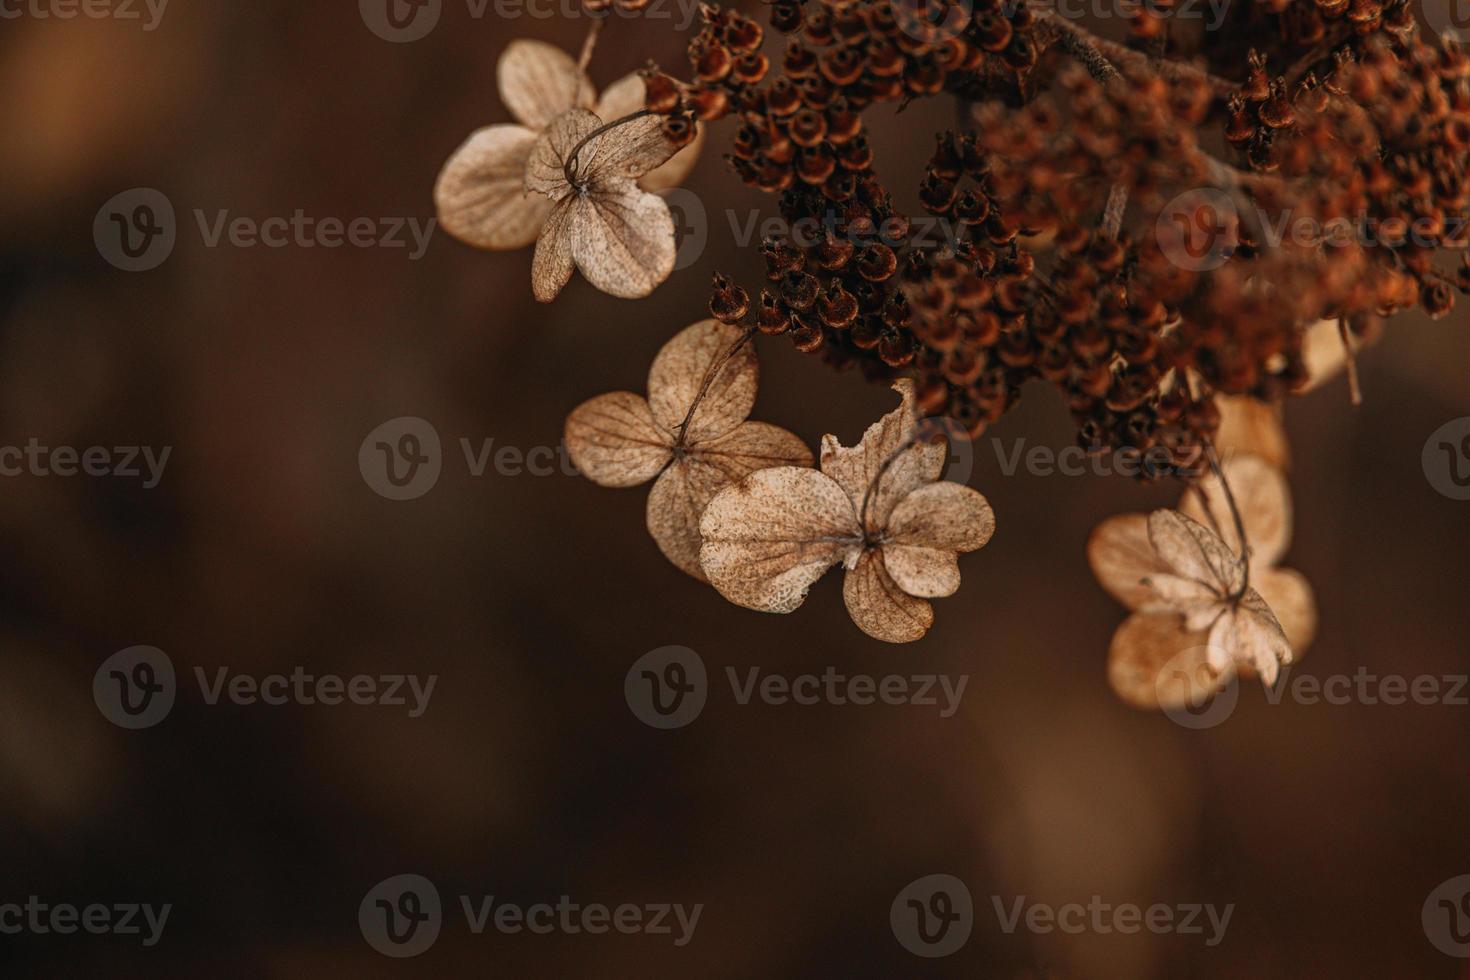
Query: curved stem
x=878, y=479
x=712, y=372
x=569, y=167
x=1245, y=563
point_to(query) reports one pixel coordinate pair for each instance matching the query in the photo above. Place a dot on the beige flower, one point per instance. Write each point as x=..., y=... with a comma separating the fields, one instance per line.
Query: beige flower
x=1196, y=622
x=481, y=195
x=877, y=509
x=623, y=440
x=620, y=236
x=1249, y=426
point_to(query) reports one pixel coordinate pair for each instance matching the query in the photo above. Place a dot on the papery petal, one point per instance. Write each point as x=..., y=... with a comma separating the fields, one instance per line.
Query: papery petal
x=613, y=440
x=539, y=82
x=1154, y=663
x=632, y=150
x=770, y=536
x=1194, y=551
x=679, y=371
x=1323, y=353
x=857, y=468
x=552, y=267
x=481, y=195
x=1122, y=557
x=623, y=240
x=929, y=573
x=1177, y=594
x=677, y=168
x=1252, y=635
x=684, y=490
x=546, y=169
x=880, y=607
x=1264, y=501
x=1290, y=597
x=948, y=516
x=622, y=98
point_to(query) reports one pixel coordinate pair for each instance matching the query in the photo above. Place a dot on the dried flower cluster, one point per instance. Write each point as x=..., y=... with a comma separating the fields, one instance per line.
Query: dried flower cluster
x=1176, y=232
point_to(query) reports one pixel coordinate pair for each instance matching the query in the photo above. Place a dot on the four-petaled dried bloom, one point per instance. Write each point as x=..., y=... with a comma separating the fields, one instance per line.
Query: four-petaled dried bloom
x=1199, y=605
x=482, y=195
x=877, y=509
x=690, y=432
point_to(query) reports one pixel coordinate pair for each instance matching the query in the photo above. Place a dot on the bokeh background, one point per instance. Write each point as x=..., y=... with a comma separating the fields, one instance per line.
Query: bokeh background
x=528, y=778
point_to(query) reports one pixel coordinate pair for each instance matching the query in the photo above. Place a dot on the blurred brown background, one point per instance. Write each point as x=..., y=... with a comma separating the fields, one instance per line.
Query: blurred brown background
x=529, y=778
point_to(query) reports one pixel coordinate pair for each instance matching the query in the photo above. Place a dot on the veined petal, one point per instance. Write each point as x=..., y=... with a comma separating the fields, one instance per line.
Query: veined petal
x=857, y=468
x=880, y=607
x=539, y=82
x=944, y=515
x=1154, y=663
x=632, y=149
x=1121, y=558
x=684, y=490
x=553, y=265
x=770, y=536
x=1289, y=595
x=613, y=440
x=1253, y=636
x=679, y=371
x=481, y=193
x=623, y=239
x=1194, y=551
x=546, y=168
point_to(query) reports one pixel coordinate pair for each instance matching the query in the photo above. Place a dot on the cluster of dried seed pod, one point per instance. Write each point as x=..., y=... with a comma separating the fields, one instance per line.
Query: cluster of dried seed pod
x=1057, y=261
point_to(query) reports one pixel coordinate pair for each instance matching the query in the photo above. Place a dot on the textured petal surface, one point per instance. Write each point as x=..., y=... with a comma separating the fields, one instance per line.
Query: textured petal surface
x=613, y=440
x=553, y=265
x=546, y=168
x=1122, y=557
x=684, y=490
x=770, y=536
x=1290, y=597
x=1154, y=663
x=623, y=240
x=631, y=150
x=945, y=515
x=929, y=573
x=880, y=607
x=1252, y=636
x=857, y=468
x=1264, y=500
x=680, y=369
x=539, y=82
x=481, y=195
x=1194, y=551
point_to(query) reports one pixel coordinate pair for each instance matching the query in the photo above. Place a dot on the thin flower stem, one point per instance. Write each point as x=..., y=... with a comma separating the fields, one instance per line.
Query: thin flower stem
x=878, y=478
x=569, y=168
x=589, y=45
x=1067, y=33
x=1245, y=564
x=712, y=372
x=1355, y=391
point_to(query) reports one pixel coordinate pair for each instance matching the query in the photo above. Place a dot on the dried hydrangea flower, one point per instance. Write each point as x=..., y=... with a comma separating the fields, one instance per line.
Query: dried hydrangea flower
x=1198, y=604
x=481, y=195
x=690, y=433
x=878, y=509
x=620, y=236
x=1264, y=500
x=1253, y=427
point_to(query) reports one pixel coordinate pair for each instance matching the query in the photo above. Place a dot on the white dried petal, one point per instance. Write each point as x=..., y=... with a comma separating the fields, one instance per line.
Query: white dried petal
x=680, y=369
x=481, y=196
x=539, y=82
x=613, y=440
